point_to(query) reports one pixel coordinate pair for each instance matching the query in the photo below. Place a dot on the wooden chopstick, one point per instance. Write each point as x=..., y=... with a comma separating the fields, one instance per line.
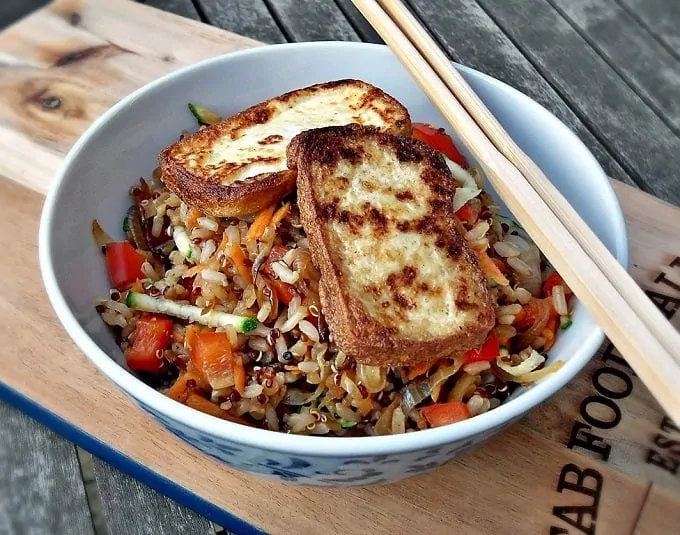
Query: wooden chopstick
x=652, y=351
x=578, y=228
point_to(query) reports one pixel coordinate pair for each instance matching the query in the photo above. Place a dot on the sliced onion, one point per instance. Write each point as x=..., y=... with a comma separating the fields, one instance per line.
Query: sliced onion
x=101, y=238
x=384, y=424
x=415, y=393
x=536, y=375
x=468, y=190
x=533, y=361
x=374, y=378
x=531, y=256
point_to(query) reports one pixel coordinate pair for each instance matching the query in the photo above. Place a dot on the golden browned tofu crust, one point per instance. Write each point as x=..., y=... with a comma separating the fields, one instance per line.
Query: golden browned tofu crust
x=238, y=166
x=399, y=285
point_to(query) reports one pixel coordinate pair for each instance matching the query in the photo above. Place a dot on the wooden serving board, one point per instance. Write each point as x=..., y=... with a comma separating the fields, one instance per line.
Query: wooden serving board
x=599, y=457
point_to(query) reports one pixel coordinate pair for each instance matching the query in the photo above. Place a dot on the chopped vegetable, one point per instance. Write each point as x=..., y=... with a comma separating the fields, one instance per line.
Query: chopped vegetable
x=467, y=213
x=374, y=378
x=535, y=313
x=101, y=238
x=536, y=375
x=259, y=225
x=549, y=331
x=184, y=385
x=208, y=407
x=445, y=413
x=238, y=258
x=438, y=139
x=203, y=115
x=554, y=279
x=490, y=269
x=419, y=369
x=468, y=190
x=415, y=393
x=565, y=322
x=211, y=354
x=192, y=218
x=284, y=291
x=152, y=336
x=212, y=318
x=182, y=241
x=124, y=263
x=531, y=256
x=280, y=214
x=239, y=375
x=488, y=352
x=132, y=226
x=529, y=364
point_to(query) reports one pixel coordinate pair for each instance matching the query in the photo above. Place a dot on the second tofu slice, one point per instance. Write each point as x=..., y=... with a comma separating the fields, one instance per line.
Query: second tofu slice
x=399, y=284
x=238, y=166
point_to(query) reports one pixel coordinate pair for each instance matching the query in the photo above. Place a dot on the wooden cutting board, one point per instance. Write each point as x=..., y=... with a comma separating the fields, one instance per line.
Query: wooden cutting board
x=599, y=457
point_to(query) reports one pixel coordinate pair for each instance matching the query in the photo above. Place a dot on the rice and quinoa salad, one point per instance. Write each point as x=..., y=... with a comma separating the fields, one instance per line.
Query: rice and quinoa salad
x=223, y=315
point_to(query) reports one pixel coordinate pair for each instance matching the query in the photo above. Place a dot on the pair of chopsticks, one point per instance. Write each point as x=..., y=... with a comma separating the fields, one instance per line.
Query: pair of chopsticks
x=632, y=322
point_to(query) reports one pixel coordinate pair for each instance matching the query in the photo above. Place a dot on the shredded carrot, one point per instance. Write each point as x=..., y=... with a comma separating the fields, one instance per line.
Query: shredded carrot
x=239, y=374
x=137, y=287
x=418, y=370
x=201, y=404
x=280, y=214
x=180, y=390
x=549, y=333
x=239, y=259
x=190, y=335
x=258, y=226
x=437, y=390
x=490, y=268
x=192, y=218
x=223, y=242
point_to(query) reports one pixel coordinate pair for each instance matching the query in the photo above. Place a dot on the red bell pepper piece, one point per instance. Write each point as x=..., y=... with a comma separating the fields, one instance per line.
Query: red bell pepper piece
x=445, y=413
x=439, y=140
x=212, y=356
x=124, y=263
x=152, y=336
x=488, y=352
x=554, y=279
x=467, y=213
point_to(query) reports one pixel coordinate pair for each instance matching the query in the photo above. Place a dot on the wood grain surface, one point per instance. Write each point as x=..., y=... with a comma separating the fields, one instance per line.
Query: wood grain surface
x=599, y=455
x=40, y=478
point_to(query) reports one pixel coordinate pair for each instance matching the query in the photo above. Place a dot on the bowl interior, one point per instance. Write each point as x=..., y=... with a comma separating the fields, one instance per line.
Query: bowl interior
x=124, y=145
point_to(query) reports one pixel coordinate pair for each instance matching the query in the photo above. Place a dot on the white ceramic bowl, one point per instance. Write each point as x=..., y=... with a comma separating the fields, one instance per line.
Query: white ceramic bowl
x=124, y=144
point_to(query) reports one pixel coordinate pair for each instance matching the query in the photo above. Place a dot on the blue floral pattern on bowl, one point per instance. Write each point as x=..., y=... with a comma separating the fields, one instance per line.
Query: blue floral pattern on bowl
x=321, y=470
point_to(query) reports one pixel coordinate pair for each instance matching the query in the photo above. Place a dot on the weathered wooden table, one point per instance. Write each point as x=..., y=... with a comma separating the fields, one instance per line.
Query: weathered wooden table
x=610, y=69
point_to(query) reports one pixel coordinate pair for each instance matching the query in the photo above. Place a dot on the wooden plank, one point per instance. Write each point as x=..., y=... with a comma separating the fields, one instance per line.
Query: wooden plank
x=183, y=8
x=359, y=23
x=660, y=18
x=614, y=113
x=245, y=17
x=471, y=37
x=12, y=10
x=126, y=54
x=661, y=514
x=647, y=66
x=131, y=507
x=312, y=20
x=41, y=490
